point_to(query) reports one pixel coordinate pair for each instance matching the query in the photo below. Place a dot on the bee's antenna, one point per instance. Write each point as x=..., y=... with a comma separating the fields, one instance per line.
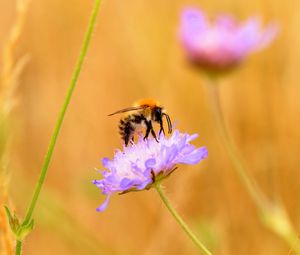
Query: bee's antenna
x=169, y=123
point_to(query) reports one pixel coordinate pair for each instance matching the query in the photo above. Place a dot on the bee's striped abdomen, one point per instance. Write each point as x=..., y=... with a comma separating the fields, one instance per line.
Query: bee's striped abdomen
x=128, y=126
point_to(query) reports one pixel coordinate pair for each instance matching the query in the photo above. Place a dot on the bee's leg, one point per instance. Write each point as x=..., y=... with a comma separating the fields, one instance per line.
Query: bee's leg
x=161, y=128
x=154, y=135
x=149, y=127
x=127, y=139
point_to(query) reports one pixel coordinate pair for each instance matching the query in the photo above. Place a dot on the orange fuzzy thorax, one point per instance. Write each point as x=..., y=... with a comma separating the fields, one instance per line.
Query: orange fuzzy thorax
x=148, y=102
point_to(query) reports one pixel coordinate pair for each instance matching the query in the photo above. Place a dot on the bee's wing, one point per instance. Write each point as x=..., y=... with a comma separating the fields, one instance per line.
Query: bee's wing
x=128, y=109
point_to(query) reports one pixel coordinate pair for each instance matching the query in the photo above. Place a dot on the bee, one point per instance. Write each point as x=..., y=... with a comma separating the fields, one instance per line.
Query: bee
x=142, y=114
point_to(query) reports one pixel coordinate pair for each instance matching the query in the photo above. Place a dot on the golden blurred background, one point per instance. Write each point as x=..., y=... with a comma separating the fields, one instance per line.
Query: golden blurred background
x=135, y=54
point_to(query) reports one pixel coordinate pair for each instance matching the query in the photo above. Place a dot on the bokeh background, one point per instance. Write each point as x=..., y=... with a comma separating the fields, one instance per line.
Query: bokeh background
x=135, y=54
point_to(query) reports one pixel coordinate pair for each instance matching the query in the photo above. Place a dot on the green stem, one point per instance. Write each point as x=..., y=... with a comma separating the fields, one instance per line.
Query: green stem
x=257, y=196
x=65, y=105
x=72, y=85
x=273, y=214
x=18, y=247
x=277, y=220
x=180, y=221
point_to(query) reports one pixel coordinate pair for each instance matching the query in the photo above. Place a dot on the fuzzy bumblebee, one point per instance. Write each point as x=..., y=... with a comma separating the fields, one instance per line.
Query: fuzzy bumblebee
x=141, y=115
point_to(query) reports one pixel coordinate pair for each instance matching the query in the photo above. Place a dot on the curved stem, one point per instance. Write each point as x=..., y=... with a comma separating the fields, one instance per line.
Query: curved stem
x=61, y=116
x=18, y=247
x=273, y=214
x=57, y=128
x=180, y=221
x=239, y=166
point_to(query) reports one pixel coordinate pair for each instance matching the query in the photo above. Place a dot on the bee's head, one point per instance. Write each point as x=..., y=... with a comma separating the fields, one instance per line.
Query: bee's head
x=157, y=113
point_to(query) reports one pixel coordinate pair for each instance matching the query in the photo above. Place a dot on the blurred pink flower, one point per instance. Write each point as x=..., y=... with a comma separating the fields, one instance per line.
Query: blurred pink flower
x=224, y=43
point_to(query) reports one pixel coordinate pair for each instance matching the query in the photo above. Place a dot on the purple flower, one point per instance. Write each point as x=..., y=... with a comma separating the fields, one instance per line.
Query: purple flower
x=224, y=43
x=138, y=166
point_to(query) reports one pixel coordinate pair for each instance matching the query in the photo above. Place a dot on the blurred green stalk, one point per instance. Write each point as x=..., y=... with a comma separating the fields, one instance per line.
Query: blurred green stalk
x=180, y=221
x=10, y=73
x=272, y=213
x=18, y=247
x=72, y=85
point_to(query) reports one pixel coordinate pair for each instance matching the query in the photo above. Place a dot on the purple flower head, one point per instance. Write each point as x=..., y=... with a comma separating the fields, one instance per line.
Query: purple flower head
x=222, y=44
x=138, y=166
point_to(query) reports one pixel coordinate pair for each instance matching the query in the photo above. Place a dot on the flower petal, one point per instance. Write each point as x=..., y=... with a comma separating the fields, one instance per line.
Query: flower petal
x=102, y=207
